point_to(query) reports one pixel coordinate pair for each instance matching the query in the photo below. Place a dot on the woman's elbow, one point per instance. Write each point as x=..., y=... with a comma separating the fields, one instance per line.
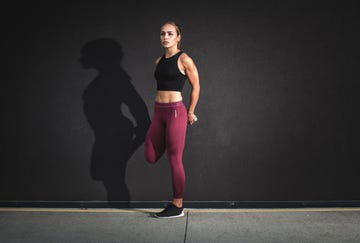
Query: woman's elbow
x=196, y=87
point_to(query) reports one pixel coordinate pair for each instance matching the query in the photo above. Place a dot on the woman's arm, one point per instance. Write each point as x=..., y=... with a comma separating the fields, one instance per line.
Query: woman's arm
x=193, y=77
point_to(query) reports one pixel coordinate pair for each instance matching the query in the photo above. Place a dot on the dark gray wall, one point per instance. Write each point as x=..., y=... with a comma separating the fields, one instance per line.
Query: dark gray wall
x=278, y=113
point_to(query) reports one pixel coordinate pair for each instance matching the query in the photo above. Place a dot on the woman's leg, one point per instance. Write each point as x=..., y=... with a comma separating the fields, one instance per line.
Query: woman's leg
x=175, y=142
x=155, y=139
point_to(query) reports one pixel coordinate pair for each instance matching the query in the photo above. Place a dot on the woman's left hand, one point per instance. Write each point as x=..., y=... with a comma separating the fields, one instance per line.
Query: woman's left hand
x=192, y=118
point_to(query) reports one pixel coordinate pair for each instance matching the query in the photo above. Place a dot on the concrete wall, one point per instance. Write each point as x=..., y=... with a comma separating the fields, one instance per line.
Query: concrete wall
x=278, y=119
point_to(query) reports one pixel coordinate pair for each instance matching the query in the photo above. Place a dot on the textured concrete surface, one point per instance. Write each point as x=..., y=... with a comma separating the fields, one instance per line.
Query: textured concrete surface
x=211, y=225
x=274, y=227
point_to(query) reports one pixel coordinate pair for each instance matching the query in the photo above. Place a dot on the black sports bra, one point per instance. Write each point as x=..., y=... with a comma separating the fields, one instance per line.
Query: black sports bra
x=167, y=74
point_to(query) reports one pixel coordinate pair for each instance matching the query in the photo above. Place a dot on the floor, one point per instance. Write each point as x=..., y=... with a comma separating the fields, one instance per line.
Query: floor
x=199, y=225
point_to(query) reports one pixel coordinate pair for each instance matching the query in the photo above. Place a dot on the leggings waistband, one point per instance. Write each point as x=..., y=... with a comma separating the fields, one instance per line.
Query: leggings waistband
x=170, y=104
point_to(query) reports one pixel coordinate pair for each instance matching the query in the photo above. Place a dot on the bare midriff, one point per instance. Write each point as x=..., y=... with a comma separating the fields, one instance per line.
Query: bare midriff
x=163, y=96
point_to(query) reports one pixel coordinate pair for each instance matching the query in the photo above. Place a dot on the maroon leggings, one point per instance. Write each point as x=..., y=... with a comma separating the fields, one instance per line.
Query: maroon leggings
x=167, y=132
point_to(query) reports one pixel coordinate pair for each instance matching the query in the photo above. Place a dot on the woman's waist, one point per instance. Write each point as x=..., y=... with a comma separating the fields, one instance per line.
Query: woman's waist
x=164, y=96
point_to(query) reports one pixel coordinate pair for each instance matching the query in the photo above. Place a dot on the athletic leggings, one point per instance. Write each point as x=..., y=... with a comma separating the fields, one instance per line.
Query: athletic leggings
x=167, y=132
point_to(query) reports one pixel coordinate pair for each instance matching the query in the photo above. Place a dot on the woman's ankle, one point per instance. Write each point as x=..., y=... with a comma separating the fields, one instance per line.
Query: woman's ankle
x=178, y=202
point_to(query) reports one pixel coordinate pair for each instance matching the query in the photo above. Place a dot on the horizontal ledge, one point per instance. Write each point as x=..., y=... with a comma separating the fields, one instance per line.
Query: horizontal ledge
x=187, y=204
x=188, y=210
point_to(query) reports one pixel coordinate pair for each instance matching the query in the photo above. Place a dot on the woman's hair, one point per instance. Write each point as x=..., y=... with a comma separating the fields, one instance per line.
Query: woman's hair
x=178, y=31
x=177, y=28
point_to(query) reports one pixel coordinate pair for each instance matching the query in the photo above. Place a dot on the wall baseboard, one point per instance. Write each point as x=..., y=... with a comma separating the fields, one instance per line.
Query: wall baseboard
x=187, y=204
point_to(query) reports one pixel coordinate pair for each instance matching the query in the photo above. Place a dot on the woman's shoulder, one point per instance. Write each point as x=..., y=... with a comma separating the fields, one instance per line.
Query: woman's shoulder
x=157, y=60
x=184, y=54
x=185, y=58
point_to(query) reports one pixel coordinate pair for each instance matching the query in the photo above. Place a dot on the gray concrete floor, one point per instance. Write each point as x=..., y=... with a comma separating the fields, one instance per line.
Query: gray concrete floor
x=199, y=225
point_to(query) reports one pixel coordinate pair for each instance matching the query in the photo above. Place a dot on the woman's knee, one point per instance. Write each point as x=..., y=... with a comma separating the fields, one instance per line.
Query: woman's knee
x=150, y=155
x=151, y=159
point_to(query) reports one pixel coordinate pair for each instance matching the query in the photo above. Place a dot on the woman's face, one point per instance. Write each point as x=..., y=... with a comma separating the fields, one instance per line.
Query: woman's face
x=169, y=36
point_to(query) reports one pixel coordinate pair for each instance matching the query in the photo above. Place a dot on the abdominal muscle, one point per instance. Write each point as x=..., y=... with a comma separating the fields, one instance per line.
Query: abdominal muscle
x=163, y=96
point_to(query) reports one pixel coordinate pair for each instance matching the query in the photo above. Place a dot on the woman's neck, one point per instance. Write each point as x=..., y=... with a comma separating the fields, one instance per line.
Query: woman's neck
x=171, y=51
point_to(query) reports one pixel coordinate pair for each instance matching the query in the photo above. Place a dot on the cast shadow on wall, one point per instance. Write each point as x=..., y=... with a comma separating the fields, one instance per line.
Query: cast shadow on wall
x=116, y=137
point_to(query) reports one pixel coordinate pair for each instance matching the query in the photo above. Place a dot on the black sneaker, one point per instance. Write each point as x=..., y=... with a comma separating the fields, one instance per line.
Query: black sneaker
x=171, y=211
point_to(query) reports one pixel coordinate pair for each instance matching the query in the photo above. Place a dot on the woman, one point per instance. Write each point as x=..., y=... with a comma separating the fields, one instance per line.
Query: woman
x=168, y=127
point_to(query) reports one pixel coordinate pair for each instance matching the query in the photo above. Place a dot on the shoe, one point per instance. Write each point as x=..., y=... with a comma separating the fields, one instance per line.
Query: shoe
x=170, y=211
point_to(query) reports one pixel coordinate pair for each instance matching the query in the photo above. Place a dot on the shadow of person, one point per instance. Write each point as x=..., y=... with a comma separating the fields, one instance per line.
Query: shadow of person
x=116, y=136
